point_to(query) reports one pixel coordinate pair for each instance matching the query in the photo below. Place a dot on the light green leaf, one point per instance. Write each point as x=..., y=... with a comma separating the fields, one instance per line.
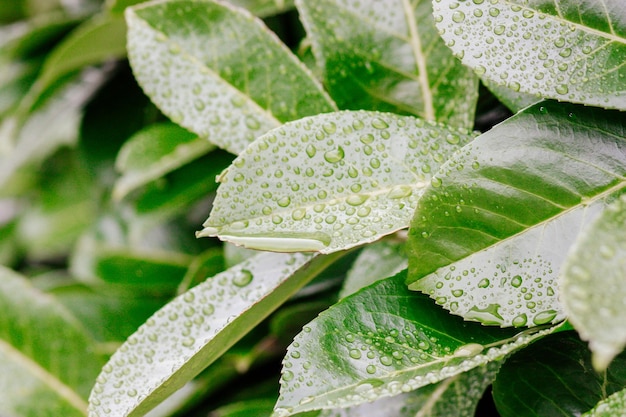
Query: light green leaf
x=572, y=51
x=218, y=71
x=383, y=341
x=554, y=377
x=261, y=8
x=153, y=152
x=387, y=56
x=593, y=284
x=376, y=261
x=47, y=360
x=195, y=329
x=614, y=405
x=513, y=100
x=491, y=232
x=456, y=396
x=329, y=182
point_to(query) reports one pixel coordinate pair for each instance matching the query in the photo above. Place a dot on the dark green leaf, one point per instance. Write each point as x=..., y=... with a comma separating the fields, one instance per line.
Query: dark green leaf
x=554, y=377
x=387, y=56
x=491, y=232
x=382, y=341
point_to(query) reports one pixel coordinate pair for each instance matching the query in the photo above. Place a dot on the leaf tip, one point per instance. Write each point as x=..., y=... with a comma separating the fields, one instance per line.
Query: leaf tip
x=207, y=231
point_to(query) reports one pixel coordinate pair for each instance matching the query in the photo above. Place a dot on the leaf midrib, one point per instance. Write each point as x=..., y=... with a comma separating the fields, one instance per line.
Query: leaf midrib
x=46, y=377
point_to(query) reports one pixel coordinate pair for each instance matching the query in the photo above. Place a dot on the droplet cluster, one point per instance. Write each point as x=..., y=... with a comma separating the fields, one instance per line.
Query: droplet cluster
x=550, y=52
x=218, y=92
x=330, y=181
x=173, y=336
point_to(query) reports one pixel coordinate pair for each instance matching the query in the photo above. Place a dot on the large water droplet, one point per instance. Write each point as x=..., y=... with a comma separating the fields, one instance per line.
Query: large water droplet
x=242, y=278
x=335, y=155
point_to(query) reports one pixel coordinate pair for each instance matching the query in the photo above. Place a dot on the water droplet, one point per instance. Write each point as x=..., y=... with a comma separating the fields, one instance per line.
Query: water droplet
x=188, y=342
x=400, y=191
x=520, y=320
x=544, y=317
x=311, y=150
x=356, y=199
x=516, y=281
x=334, y=156
x=562, y=89
x=370, y=369
x=242, y=278
x=284, y=202
x=287, y=375
x=386, y=360
x=458, y=16
x=468, y=350
x=355, y=353
x=378, y=123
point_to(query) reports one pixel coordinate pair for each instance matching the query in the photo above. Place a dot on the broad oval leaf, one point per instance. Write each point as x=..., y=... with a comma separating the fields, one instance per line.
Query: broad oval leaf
x=490, y=234
x=329, y=182
x=381, y=342
x=593, y=285
x=386, y=55
x=47, y=359
x=195, y=329
x=153, y=152
x=572, y=51
x=554, y=377
x=218, y=71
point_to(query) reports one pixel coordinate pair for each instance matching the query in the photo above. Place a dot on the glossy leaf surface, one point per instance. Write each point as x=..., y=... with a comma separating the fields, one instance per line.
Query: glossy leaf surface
x=47, y=359
x=218, y=71
x=329, y=182
x=554, y=377
x=571, y=51
x=195, y=329
x=153, y=152
x=456, y=396
x=387, y=56
x=381, y=342
x=593, y=284
x=492, y=231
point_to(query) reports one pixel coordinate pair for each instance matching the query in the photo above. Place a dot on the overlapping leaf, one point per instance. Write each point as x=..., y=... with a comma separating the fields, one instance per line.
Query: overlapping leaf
x=194, y=329
x=381, y=342
x=153, y=152
x=47, y=359
x=614, y=405
x=593, y=284
x=555, y=377
x=329, y=182
x=387, y=56
x=573, y=51
x=490, y=234
x=218, y=71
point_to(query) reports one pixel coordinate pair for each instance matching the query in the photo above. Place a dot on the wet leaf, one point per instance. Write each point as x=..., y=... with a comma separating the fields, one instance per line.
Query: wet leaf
x=554, y=377
x=261, y=8
x=456, y=396
x=384, y=341
x=593, y=284
x=218, y=71
x=387, y=56
x=153, y=152
x=491, y=232
x=329, y=182
x=195, y=329
x=47, y=360
x=614, y=405
x=569, y=51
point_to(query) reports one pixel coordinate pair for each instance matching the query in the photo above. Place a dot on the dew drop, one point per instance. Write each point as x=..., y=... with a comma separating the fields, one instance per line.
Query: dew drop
x=335, y=155
x=284, y=202
x=544, y=317
x=458, y=16
x=370, y=369
x=242, y=278
x=378, y=123
x=520, y=320
x=311, y=150
x=516, y=281
x=355, y=353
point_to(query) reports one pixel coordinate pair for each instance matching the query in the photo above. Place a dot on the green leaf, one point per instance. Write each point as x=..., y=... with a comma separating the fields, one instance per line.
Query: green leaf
x=554, y=377
x=388, y=56
x=376, y=261
x=593, y=284
x=218, y=71
x=513, y=100
x=51, y=125
x=614, y=405
x=153, y=152
x=261, y=8
x=47, y=360
x=490, y=234
x=456, y=396
x=570, y=51
x=195, y=329
x=176, y=191
x=383, y=341
x=329, y=182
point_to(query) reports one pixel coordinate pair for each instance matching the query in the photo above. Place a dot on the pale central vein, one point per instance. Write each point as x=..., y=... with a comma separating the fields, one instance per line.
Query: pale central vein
x=416, y=46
